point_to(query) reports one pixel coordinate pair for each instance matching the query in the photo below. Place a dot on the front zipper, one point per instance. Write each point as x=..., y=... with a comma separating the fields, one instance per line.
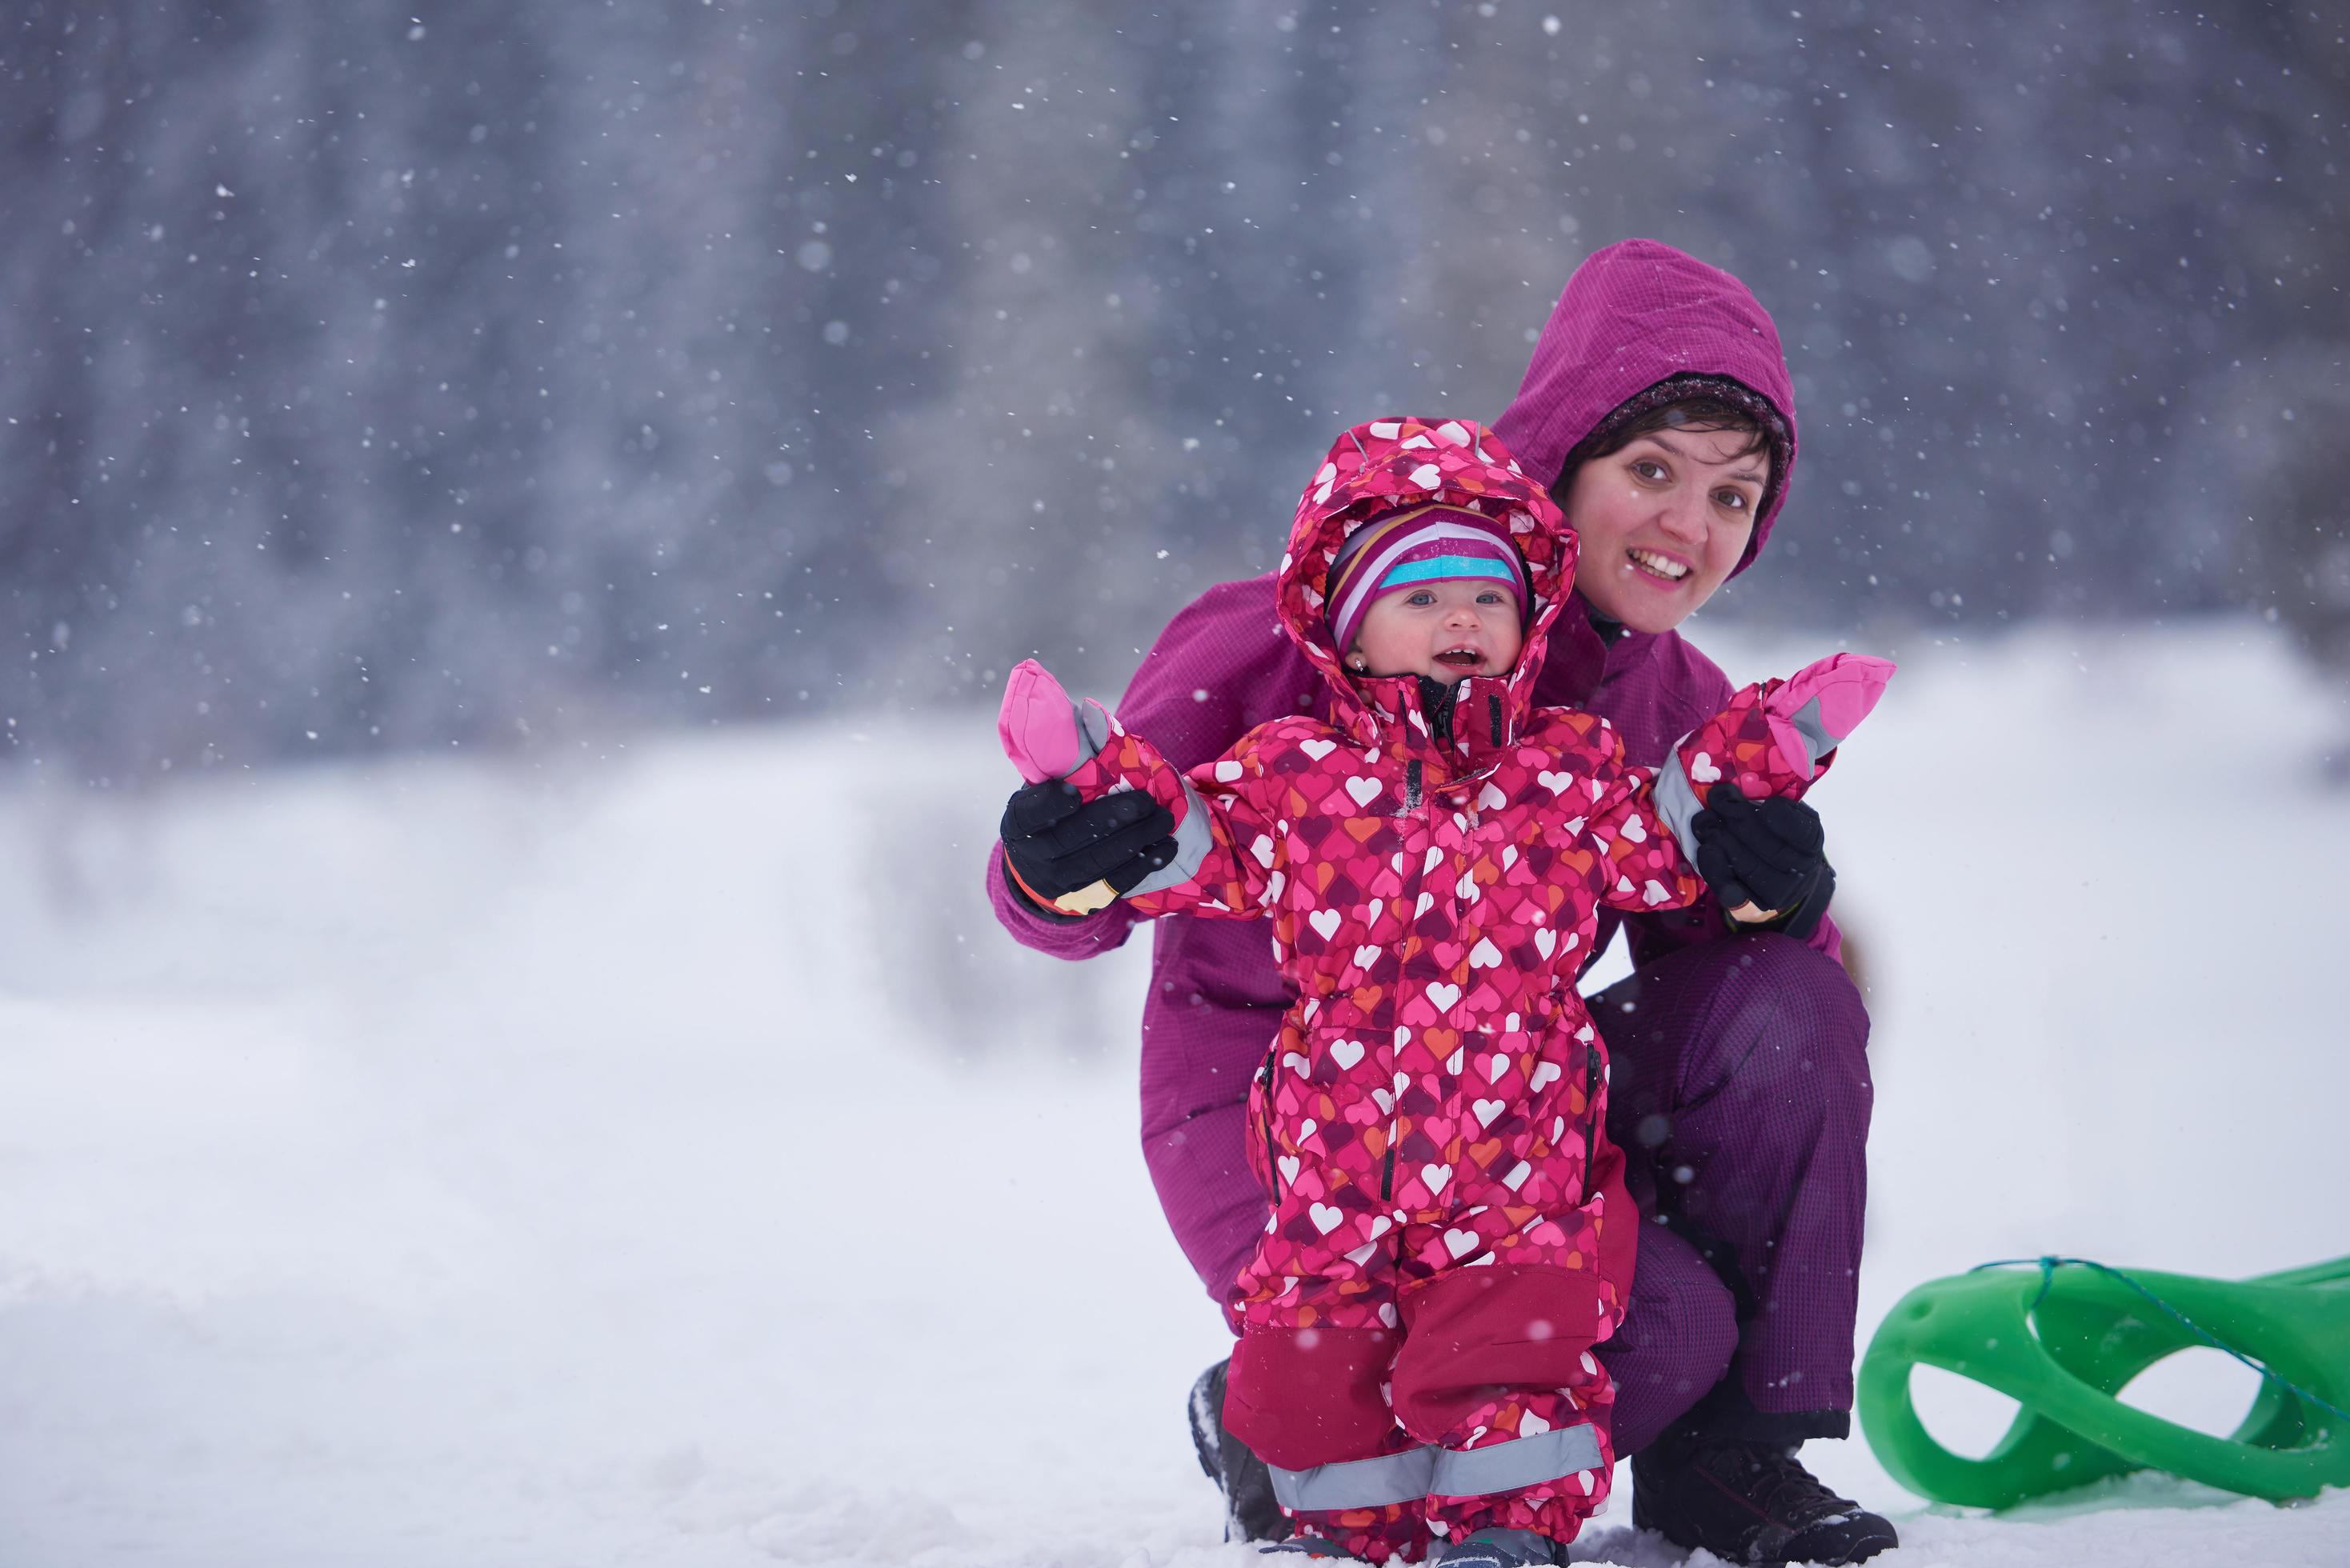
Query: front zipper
x=1386, y=1167
x=1411, y=798
x=1590, y=1113
x=1271, y=1149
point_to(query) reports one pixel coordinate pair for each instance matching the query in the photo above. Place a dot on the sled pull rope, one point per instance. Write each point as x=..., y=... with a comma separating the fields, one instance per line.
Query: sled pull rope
x=2048, y=1264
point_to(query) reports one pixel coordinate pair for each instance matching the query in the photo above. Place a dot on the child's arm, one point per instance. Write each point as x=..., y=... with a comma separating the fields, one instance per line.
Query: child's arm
x=1047, y=735
x=1771, y=740
x=1649, y=868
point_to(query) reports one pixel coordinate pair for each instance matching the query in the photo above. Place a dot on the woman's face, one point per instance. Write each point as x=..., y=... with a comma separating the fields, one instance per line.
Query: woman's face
x=1663, y=522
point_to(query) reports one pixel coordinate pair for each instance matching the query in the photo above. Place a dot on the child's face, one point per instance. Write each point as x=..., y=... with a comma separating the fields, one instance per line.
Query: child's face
x=1450, y=629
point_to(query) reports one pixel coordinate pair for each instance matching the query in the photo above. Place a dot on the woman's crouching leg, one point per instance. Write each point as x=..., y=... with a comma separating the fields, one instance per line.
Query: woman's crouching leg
x=1678, y=1333
x=1740, y=1096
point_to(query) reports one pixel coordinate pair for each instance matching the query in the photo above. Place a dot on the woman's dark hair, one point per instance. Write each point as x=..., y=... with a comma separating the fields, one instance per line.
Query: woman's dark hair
x=1698, y=413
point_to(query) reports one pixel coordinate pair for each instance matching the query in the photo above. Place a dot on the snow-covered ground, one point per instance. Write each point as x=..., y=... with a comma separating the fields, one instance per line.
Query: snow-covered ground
x=662, y=1157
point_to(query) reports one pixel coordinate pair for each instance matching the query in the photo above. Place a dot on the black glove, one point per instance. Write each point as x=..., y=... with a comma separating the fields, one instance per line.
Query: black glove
x=1058, y=842
x=1767, y=852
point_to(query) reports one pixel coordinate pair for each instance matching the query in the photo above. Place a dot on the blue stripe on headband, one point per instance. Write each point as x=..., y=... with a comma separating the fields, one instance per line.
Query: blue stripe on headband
x=1440, y=567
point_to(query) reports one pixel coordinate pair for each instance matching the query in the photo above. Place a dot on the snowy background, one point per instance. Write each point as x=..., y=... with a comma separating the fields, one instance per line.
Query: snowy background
x=457, y=1163
x=511, y=520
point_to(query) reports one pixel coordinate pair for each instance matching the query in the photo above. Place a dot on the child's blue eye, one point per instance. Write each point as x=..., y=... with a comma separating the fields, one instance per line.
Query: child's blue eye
x=1420, y=597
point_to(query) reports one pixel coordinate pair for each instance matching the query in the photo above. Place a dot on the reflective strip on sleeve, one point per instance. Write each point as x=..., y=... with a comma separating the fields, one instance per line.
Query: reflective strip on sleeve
x=1517, y=1464
x=1194, y=839
x=1356, y=1483
x=1093, y=729
x=1676, y=800
x=1807, y=724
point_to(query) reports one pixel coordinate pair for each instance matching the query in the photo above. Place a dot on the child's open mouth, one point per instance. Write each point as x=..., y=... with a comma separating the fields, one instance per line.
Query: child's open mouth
x=1461, y=658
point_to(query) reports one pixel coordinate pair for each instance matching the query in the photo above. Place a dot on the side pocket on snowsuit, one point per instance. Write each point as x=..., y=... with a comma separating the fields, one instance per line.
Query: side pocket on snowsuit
x=1262, y=1156
x=1593, y=1069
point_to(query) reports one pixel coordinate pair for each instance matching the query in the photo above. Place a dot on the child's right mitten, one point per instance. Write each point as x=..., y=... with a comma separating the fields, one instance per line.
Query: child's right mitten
x=1080, y=767
x=1056, y=842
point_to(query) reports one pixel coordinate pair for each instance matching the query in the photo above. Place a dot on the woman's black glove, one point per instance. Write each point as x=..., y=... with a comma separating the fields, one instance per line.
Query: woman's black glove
x=1766, y=852
x=1056, y=843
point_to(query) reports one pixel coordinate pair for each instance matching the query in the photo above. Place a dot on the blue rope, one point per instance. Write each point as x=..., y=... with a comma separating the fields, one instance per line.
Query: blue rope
x=2048, y=1266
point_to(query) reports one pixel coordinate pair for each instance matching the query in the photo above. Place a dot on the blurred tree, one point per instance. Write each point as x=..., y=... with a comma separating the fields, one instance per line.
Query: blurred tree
x=382, y=376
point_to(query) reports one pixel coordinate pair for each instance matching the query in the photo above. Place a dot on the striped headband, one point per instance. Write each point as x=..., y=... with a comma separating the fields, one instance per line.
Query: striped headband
x=1409, y=549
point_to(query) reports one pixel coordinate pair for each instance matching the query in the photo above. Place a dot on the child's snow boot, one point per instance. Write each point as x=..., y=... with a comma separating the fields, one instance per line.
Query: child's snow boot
x=1748, y=1502
x=1251, y=1513
x=1502, y=1548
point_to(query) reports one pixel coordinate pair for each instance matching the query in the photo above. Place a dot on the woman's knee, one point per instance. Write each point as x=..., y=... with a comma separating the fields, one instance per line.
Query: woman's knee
x=1791, y=1022
x=1795, y=978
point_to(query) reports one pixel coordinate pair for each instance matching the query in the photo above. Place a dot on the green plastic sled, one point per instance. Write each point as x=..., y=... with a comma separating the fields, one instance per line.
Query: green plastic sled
x=2063, y=1338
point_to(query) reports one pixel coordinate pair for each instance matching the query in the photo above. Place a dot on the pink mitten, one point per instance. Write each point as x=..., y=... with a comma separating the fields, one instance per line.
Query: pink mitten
x=1813, y=710
x=1771, y=740
x=1049, y=735
x=1041, y=727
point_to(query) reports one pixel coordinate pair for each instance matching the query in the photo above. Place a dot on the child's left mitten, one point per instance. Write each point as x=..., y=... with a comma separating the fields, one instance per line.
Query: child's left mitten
x=1766, y=747
x=1767, y=855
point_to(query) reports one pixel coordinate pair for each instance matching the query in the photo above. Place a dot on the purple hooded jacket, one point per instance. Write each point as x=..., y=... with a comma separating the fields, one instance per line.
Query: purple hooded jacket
x=1634, y=313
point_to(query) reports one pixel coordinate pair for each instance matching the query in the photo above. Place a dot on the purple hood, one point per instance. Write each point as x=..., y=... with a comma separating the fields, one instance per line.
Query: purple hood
x=1635, y=313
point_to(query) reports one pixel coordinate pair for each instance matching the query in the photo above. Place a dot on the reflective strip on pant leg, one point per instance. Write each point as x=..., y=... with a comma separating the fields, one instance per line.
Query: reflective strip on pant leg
x=1517, y=1464
x=1358, y=1484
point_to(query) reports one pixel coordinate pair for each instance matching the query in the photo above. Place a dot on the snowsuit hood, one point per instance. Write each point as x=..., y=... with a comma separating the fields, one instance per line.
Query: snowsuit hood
x=1389, y=465
x=1635, y=313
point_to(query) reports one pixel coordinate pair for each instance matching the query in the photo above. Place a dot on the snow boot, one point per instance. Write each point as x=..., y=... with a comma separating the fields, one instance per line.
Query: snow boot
x=1748, y=1502
x=1500, y=1549
x=1250, y=1512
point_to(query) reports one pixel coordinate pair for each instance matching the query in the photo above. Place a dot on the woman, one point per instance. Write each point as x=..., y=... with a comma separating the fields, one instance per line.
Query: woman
x=1657, y=406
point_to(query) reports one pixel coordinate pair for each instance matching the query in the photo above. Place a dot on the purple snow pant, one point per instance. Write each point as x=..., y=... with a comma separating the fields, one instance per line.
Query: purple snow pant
x=1739, y=1092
